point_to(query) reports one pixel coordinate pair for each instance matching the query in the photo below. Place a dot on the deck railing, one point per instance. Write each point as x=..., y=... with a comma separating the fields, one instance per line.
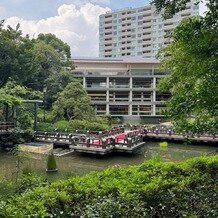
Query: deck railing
x=6, y=126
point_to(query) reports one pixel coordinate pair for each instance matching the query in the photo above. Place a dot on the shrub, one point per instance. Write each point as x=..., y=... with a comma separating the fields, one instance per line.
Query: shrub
x=17, y=136
x=62, y=125
x=152, y=189
x=163, y=144
x=51, y=162
x=45, y=127
x=87, y=125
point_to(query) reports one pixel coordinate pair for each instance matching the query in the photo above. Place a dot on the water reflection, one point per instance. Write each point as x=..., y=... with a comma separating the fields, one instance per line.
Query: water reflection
x=78, y=164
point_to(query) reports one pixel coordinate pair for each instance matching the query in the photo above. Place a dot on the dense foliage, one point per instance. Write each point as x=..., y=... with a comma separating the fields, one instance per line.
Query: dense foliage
x=73, y=103
x=41, y=67
x=193, y=61
x=153, y=189
x=51, y=162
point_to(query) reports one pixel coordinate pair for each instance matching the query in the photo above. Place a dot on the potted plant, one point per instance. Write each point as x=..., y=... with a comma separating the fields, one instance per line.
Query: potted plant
x=51, y=163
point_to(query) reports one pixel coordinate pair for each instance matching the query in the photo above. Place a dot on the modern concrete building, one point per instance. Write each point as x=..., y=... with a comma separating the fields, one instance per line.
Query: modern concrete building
x=137, y=31
x=123, y=87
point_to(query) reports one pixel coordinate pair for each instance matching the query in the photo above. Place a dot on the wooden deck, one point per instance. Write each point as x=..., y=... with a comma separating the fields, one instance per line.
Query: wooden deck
x=169, y=135
x=118, y=140
x=6, y=128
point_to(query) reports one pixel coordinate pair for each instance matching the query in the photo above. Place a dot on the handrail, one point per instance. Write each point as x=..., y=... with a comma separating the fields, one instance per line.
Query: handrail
x=6, y=126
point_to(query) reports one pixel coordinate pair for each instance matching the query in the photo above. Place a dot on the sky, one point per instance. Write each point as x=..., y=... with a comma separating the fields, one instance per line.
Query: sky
x=73, y=21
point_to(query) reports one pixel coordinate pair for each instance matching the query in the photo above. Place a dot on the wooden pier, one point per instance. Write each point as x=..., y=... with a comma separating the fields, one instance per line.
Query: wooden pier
x=114, y=140
x=168, y=134
x=118, y=139
x=6, y=128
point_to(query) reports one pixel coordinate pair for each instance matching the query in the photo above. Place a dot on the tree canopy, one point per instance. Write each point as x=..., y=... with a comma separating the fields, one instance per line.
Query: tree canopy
x=193, y=61
x=30, y=61
x=73, y=103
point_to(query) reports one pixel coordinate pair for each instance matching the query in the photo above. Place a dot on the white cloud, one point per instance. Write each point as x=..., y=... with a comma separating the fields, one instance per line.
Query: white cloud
x=202, y=7
x=77, y=26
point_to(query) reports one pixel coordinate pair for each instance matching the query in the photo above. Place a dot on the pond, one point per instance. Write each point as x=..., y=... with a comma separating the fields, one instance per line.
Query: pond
x=78, y=164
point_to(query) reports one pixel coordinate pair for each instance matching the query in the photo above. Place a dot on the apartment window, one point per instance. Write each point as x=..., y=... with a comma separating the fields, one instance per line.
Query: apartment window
x=133, y=18
x=120, y=21
x=115, y=15
x=154, y=20
x=133, y=30
x=139, y=35
x=140, y=17
x=139, y=53
x=115, y=27
x=140, y=23
x=160, y=25
x=140, y=41
x=114, y=21
x=133, y=36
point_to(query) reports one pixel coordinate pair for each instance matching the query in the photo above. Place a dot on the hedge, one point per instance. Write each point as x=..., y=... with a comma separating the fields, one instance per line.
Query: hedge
x=152, y=189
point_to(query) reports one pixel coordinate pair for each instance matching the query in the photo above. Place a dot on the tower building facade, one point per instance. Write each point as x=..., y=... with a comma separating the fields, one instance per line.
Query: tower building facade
x=137, y=31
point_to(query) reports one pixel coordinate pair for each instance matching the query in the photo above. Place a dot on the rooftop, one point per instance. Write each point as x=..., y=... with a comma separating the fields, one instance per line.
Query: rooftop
x=116, y=60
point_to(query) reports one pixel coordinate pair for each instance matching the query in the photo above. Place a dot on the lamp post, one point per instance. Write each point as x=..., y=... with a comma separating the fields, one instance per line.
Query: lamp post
x=44, y=91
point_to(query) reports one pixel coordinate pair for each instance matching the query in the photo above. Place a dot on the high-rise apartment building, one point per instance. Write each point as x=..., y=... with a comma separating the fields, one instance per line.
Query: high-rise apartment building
x=137, y=31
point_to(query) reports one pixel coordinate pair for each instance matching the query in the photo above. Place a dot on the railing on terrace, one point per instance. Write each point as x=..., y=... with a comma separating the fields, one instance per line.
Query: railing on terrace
x=6, y=126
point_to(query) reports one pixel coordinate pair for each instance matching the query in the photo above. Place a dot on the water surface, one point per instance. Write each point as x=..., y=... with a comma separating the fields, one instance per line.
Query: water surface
x=80, y=164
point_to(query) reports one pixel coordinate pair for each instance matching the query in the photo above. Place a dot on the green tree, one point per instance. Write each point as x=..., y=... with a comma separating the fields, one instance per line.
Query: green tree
x=16, y=56
x=51, y=56
x=55, y=84
x=193, y=61
x=73, y=103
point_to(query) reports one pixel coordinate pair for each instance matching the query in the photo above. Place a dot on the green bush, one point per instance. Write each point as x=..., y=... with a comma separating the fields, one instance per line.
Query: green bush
x=87, y=125
x=62, y=125
x=17, y=136
x=45, y=127
x=51, y=162
x=152, y=189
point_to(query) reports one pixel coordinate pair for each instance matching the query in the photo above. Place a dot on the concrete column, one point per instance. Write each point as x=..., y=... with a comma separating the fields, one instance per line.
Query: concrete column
x=154, y=97
x=84, y=82
x=130, y=109
x=107, y=108
x=130, y=82
x=107, y=82
x=107, y=95
x=130, y=96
